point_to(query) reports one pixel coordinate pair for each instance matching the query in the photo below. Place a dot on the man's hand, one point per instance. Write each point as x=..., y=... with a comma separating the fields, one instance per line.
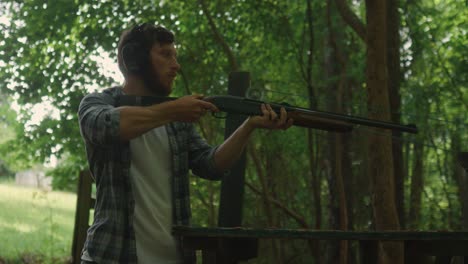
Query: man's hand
x=270, y=119
x=190, y=108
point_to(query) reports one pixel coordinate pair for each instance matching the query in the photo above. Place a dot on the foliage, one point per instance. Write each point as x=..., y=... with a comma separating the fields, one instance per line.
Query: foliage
x=435, y=96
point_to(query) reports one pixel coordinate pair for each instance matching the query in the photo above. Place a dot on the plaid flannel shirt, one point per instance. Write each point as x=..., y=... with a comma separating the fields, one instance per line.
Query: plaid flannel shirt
x=111, y=237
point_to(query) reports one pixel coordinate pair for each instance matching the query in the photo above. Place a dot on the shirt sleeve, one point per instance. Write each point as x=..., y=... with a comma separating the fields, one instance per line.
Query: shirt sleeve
x=201, y=157
x=99, y=119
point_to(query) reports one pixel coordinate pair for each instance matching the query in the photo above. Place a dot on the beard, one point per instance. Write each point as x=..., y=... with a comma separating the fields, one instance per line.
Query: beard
x=155, y=85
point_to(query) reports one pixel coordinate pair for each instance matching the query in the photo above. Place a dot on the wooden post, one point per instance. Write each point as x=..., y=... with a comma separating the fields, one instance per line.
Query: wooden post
x=84, y=202
x=232, y=186
x=232, y=189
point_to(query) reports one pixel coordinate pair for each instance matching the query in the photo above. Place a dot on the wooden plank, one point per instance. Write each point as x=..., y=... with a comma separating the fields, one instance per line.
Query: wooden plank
x=198, y=243
x=222, y=250
x=419, y=245
x=443, y=260
x=368, y=250
x=438, y=247
x=319, y=234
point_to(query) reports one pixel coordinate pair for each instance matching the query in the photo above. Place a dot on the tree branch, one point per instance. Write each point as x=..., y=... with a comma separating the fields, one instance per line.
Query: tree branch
x=351, y=19
x=219, y=38
x=299, y=219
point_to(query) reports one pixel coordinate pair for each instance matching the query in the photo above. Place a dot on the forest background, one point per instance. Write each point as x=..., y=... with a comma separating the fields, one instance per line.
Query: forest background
x=400, y=61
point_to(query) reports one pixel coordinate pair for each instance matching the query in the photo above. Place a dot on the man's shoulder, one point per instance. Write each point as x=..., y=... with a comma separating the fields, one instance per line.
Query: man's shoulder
x=108, y=95
x=114, y=92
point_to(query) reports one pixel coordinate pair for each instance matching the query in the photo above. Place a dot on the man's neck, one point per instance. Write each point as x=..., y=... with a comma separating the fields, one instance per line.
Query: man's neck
x=136, y=86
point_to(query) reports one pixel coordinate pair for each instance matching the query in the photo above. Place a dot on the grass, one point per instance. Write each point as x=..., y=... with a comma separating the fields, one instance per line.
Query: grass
x=36, y=226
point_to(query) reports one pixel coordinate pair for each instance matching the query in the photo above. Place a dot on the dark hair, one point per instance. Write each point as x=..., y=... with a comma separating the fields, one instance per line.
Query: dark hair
x=134, y=47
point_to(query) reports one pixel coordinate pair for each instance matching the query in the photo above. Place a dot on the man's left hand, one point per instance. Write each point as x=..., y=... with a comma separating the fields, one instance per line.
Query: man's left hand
x=270, y=119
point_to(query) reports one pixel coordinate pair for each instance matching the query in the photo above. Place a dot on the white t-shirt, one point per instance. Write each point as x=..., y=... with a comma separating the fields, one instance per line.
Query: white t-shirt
x=150, y=173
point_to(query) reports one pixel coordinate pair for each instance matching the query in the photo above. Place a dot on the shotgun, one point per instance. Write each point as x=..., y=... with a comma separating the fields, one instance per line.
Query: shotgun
x=302, y=117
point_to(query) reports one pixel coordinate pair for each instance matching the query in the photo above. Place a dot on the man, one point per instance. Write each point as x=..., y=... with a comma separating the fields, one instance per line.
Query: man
x=140, y=156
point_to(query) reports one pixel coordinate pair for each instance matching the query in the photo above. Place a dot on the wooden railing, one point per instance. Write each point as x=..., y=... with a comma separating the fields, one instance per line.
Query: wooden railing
x=230, y=245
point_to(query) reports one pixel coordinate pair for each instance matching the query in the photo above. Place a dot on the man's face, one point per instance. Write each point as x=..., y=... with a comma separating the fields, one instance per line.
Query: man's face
x=164, y=67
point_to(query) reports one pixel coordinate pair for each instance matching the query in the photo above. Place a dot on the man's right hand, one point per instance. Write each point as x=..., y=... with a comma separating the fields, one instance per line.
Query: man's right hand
x=137, y=120
x=190, y=108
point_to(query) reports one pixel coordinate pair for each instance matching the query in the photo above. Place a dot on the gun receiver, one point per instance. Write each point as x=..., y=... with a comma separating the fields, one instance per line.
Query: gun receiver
x=302, y=117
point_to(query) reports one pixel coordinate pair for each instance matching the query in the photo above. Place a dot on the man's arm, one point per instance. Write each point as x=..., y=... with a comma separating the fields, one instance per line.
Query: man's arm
x=230, y=151
x=135, y=120
x=98, y=119
x=101, y=123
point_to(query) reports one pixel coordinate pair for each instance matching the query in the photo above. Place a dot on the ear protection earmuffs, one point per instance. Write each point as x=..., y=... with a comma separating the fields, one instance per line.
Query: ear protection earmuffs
x=134, y=53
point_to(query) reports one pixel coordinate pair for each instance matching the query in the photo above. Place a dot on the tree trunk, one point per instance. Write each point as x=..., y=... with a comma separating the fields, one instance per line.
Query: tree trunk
x=316, y=188
x=349, y=185
x=394, y=78
x=417, y=183
x=265, y=196
x=380, y=146
x=338, y=206
x=335, y=66
x=312, y=140
x=460, y=177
